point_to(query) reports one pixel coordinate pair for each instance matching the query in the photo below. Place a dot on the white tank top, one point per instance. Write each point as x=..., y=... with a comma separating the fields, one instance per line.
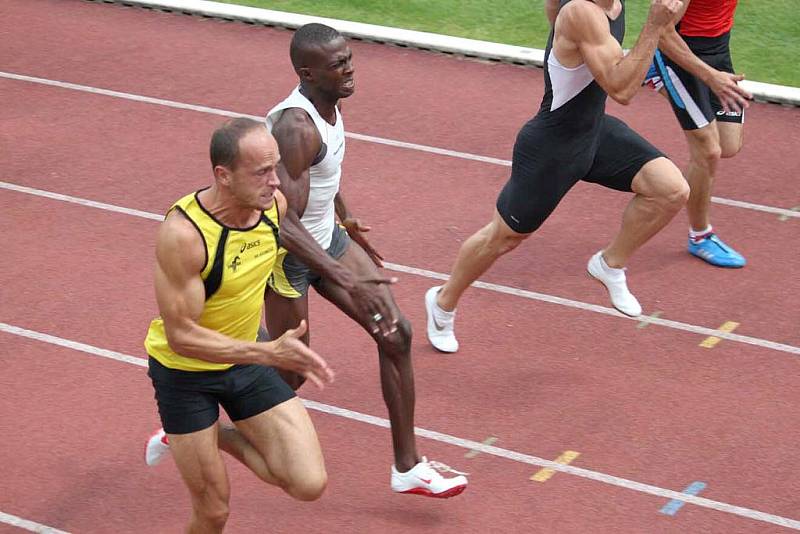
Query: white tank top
x=566, y=82
x=326, y=171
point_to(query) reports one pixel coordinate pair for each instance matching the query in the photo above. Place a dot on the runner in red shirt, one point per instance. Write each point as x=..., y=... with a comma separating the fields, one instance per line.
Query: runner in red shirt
x=695, y=72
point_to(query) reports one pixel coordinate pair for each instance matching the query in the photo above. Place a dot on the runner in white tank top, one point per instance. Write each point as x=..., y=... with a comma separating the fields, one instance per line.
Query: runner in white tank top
x=325, y=172
x=336, y=259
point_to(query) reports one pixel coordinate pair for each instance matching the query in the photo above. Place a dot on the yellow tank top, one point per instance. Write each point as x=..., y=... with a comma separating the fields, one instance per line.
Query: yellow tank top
x=238, y=264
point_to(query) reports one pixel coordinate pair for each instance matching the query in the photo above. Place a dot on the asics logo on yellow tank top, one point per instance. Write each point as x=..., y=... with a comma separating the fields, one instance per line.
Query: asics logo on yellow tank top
x=248, y=246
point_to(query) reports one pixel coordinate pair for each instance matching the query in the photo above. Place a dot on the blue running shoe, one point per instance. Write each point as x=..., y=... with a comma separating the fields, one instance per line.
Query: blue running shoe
x=714, y=251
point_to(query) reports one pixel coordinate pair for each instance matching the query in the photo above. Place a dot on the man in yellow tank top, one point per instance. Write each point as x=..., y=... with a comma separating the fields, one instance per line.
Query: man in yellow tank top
x=214, y=252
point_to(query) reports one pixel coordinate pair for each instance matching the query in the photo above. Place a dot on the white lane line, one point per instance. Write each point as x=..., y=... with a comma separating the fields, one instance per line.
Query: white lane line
x=81, y=201
x=452, y=440
x=361, y=137
x=27, y=524
x=543, y=297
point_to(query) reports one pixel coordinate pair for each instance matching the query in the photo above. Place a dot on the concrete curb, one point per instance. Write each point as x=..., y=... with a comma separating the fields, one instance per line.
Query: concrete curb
x=765, y=92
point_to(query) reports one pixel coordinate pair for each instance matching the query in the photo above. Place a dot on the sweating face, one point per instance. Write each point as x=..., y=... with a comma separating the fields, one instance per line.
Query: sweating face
x=331, y=68
x=254, y=178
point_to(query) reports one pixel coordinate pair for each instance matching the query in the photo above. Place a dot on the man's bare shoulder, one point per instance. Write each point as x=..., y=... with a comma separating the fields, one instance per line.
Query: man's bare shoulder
x=180, y=242
x=298, y=139
x=580, y=17
x=295, y=123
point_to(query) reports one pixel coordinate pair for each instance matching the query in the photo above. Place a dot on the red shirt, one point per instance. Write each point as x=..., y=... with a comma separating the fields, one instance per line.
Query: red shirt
x=707, y=18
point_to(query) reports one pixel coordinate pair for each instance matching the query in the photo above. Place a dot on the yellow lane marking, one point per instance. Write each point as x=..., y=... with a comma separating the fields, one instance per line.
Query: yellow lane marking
x=566, y=458
x=711, y=341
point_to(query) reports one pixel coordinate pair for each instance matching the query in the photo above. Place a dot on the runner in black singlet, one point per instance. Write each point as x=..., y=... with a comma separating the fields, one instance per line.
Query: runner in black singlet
x=572, y=139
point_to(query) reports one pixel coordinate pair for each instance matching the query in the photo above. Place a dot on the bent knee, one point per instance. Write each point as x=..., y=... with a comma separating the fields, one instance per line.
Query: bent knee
x=399, y=341
x=214, y=516
x=509, y=242
x=730, y=150
x=677, y=191
x=662, y=181
x=501, y=239
x=311, y=488
x=708, y=154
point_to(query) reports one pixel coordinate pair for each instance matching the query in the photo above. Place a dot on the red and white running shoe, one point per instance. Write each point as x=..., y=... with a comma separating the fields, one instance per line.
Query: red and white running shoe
x=156, y=448
x=424, y=479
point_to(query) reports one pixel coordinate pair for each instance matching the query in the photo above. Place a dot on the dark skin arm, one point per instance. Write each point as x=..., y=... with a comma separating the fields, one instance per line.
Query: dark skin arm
x=299, y=143
x=355, y=229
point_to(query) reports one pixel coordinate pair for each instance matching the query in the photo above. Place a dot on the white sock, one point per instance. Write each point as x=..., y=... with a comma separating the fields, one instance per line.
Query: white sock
x=439, y=312
x=699, y=235
x=610, y=270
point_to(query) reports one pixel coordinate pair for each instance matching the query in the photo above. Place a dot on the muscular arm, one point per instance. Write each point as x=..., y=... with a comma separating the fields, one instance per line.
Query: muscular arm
x=180, y=293
x=584, y=26
x=299, y=143
x=180, y=257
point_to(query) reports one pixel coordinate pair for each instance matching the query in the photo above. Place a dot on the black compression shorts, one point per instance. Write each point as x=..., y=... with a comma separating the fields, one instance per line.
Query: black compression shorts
x=543, y=170
x=188, y=401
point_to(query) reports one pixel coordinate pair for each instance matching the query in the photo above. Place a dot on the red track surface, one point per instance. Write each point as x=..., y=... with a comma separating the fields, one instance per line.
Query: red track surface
x=644, y=404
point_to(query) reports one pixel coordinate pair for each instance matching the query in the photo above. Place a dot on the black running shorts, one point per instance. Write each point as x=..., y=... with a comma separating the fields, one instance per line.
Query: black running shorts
x=188, y=401
x=692, y=101
x=543, y=170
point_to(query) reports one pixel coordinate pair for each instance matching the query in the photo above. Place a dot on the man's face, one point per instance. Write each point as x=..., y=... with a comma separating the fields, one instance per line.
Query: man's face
x=254, y=179
x=331, y=65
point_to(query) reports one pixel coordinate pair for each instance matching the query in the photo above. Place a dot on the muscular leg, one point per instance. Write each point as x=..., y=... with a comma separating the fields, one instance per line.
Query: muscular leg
x=282, y=314
x=200, y=464
x=476, y=255
x=281, y=447
x=731, y=138
x=704, y=154
x=660, y=192
x=394, y=355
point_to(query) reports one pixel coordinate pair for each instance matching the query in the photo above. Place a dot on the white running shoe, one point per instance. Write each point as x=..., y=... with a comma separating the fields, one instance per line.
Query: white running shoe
x=424, y=479
x=156, y=448
x=440, y=323
x=614, y=280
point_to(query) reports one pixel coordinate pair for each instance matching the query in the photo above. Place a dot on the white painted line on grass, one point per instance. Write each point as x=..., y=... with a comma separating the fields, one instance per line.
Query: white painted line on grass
x=27, y=524
x=789, y=213
x=523, y=293
x=452, y=440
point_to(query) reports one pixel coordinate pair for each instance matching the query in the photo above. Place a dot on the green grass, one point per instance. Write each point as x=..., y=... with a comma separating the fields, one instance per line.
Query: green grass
x=765, y=40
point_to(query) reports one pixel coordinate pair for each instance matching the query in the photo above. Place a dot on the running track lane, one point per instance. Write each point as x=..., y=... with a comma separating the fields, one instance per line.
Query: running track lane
x=131, y=49
x=169, y=156
x=561, y=400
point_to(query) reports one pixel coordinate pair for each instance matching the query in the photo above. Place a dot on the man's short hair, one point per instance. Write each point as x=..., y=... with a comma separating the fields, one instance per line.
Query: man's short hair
x=225, y=141
x=309, y=36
